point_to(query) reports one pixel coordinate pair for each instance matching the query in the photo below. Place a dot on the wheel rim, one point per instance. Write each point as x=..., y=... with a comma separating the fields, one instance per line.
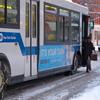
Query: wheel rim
x=1, y=80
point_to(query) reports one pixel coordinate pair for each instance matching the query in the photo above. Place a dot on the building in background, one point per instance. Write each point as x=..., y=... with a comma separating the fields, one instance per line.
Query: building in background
x=94, y=8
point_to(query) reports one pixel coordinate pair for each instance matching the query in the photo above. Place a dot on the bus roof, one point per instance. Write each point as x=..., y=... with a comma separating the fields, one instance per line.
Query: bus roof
x=68, y=5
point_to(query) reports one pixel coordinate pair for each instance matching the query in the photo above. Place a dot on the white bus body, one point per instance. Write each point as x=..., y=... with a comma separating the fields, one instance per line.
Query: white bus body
x=30, y=55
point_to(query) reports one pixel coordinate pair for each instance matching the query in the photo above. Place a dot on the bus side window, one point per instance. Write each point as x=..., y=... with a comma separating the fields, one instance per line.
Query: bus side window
x=75, y=27
x=2, y=19
x=12, y=12
x=34, y=21
x=51, y=28
x=47, y=28
x=27, y=20
x=9, y=13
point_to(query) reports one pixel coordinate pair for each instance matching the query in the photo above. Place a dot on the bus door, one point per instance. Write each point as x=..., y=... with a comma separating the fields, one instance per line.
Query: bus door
x=84, y=26
x=31, y=38
x=84, y=32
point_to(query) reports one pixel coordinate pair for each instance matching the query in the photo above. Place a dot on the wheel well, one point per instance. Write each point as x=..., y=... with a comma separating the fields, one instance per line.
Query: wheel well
x=5, y=60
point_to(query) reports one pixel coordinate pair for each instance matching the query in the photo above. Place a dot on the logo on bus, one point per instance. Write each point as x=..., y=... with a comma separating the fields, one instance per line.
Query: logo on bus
x=1, y=37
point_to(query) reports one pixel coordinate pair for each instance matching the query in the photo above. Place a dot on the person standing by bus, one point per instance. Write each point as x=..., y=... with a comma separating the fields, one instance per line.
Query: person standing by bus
x=88, y=47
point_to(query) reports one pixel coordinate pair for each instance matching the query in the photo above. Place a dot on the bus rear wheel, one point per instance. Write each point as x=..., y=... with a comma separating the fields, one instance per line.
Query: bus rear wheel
x=75, y=64
x=2, y=81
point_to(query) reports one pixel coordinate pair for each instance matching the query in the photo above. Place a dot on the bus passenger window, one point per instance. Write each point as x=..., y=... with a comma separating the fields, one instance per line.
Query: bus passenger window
x=9, y=13
x=50, y=27
x=61, y=29
x=75, y=27
x=2, y=6
x=12, y=12
x=27, y=20
x=34, y=21
x=66, y=26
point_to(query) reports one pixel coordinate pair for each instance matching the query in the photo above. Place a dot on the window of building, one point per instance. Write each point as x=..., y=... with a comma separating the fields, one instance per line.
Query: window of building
x=9, y=13
x=75, y=27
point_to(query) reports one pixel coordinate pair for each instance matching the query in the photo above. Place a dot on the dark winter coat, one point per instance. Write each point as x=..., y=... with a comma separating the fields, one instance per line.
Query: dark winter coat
x=88, y=47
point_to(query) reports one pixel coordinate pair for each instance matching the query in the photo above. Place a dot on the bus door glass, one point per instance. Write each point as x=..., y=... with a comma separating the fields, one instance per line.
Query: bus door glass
x=84, y=26
x=31, y=38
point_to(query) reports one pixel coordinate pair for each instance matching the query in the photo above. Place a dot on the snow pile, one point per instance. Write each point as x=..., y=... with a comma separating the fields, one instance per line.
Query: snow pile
x=92, y=94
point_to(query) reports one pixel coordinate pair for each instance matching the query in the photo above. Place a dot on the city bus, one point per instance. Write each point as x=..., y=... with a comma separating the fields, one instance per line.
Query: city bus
x=39, y=38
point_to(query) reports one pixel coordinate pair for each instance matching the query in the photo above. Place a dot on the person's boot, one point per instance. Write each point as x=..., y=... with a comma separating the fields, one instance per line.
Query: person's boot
x=87, y=70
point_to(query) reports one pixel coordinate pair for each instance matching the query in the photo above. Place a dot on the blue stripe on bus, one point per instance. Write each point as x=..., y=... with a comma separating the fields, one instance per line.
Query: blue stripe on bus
x=56, y=56
x=53, y=56
x=10, y=37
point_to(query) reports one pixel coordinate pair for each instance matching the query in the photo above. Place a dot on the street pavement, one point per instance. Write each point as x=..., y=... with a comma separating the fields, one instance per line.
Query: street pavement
x=56, y=87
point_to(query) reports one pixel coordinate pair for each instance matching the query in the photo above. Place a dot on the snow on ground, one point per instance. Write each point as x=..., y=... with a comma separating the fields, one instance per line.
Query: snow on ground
x=25, y=95
x=90, y=94
x=58, y=95
x=93, y=89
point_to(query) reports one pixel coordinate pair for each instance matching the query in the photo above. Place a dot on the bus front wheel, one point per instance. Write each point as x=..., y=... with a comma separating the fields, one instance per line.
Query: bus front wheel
x=1, y=84
x=2, y=80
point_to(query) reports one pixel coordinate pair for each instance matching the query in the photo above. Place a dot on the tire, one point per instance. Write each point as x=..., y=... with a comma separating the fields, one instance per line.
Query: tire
x=75, y=65
x=3, y=79
x=2, y=95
